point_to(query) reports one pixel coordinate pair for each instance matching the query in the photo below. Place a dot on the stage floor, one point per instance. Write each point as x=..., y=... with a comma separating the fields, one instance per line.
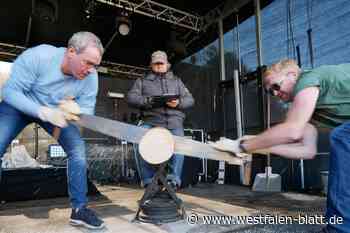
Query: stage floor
x=118, y=205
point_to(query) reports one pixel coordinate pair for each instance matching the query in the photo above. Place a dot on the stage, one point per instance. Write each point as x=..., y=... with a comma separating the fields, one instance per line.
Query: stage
x=118, y=204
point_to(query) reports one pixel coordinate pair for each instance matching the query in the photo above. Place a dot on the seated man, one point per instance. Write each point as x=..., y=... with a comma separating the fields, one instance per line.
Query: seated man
x=322, y=96
x=161, y=81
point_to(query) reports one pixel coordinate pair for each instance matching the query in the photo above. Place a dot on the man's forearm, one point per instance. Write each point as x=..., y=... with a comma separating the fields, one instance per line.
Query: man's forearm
x=278, y=135
x=305, y=148
x=21, y=102
x=292, y=151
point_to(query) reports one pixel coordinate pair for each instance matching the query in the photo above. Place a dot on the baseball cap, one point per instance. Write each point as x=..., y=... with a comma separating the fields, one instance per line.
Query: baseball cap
x=159, y=57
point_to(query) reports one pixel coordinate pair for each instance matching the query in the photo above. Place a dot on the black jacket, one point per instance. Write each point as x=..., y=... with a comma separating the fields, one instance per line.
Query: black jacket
x=152, y=85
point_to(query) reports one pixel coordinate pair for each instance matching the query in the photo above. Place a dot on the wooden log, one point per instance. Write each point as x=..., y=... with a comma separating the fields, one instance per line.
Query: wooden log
x=157, y=145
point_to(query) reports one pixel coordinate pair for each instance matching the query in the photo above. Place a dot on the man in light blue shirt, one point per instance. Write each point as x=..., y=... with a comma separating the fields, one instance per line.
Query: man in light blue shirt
x=41, y=79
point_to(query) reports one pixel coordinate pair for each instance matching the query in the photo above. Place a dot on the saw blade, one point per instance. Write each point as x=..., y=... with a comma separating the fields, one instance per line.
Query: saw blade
x=116, y=129
x=133, y=134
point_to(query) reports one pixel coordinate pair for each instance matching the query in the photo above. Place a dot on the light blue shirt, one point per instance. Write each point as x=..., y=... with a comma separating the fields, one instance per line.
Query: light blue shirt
x=36, y=80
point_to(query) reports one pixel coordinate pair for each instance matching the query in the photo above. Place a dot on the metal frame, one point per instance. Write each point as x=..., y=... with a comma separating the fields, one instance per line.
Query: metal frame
x=158, y=11
x=116, y=68
x=214, y=16
x=10, y=50
x=196, y=24
x=204, y=171
x=155, y=10
x=221, y=169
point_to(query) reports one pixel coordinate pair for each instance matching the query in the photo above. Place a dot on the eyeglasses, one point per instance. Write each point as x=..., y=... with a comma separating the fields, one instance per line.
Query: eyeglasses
x=276, y=87
x=89, y=64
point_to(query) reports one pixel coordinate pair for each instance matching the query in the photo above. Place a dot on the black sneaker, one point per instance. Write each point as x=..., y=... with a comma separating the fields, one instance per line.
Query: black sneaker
x=85, y=217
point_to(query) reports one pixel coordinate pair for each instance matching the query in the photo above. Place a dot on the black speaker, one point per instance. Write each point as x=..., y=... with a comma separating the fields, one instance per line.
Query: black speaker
x=22, y=184
x=46, y=10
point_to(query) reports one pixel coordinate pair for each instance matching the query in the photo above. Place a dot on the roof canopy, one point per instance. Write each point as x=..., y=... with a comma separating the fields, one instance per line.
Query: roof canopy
x=179, y=27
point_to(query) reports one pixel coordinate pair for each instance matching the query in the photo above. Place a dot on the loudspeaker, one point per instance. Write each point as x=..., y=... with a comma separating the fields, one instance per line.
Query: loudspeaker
x=46, y=10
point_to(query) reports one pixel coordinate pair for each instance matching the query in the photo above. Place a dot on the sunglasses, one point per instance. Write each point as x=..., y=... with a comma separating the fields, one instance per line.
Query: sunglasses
x=276, y=87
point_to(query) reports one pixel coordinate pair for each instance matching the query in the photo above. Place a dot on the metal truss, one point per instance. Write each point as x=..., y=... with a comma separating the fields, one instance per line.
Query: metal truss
x=212, y=17
x=8, y=52
x=159, y=12
x=116, y=68
x=197, y=24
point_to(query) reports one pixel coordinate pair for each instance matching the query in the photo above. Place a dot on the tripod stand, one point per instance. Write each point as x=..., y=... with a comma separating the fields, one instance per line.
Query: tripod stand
x=159, y=203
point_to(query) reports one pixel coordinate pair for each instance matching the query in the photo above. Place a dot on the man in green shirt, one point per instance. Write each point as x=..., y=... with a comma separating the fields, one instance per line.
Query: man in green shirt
x=320, y=96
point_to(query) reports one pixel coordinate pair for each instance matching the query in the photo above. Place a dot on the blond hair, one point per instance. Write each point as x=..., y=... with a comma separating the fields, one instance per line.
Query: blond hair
x=282, y=67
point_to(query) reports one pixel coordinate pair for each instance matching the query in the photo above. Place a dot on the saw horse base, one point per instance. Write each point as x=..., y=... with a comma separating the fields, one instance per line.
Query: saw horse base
x=159, y=203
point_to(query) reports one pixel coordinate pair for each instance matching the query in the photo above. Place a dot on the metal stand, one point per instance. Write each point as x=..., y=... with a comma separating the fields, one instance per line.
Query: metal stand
x=159, y=204
x=203, y=175
x=36, y=141
x=116, y=99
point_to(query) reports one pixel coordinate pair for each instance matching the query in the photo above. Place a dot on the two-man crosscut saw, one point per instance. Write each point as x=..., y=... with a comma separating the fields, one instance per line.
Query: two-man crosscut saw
x=133, y=134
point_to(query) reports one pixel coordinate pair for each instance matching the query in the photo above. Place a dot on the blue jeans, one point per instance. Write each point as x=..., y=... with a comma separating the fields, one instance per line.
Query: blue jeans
x=12, y=122
x=338, y=199
x=146, y=171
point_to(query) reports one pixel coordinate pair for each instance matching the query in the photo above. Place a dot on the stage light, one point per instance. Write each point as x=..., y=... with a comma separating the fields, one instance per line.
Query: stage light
x=122, y=26
x=123, y=23
x=124, y=29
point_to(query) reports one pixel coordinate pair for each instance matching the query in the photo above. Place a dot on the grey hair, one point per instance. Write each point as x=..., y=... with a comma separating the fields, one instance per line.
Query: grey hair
x=81, y=40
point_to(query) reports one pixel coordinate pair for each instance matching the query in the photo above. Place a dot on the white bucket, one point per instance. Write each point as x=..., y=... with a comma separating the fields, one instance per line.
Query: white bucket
x=267, y=182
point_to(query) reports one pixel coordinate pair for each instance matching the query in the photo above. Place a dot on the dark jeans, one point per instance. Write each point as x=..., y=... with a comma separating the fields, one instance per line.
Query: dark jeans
x=147, y=172
x=338, y=200
x=12, y=122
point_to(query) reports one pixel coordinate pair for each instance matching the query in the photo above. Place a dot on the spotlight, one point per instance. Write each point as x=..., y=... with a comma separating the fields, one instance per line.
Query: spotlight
x=122, y=26
x=124, y=29
x=123, y=23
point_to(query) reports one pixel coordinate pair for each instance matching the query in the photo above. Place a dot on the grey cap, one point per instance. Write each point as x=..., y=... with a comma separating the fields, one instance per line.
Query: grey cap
x=159, y=57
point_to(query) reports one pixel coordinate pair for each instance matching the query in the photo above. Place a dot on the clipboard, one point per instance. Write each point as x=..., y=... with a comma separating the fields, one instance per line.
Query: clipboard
x=161, y=100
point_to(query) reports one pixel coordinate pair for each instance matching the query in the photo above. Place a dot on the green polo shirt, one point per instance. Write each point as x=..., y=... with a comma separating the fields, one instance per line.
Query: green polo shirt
x=333, y=104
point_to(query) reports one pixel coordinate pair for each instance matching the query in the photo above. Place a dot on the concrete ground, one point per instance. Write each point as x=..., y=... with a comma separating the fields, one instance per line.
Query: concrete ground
x=118, y=205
